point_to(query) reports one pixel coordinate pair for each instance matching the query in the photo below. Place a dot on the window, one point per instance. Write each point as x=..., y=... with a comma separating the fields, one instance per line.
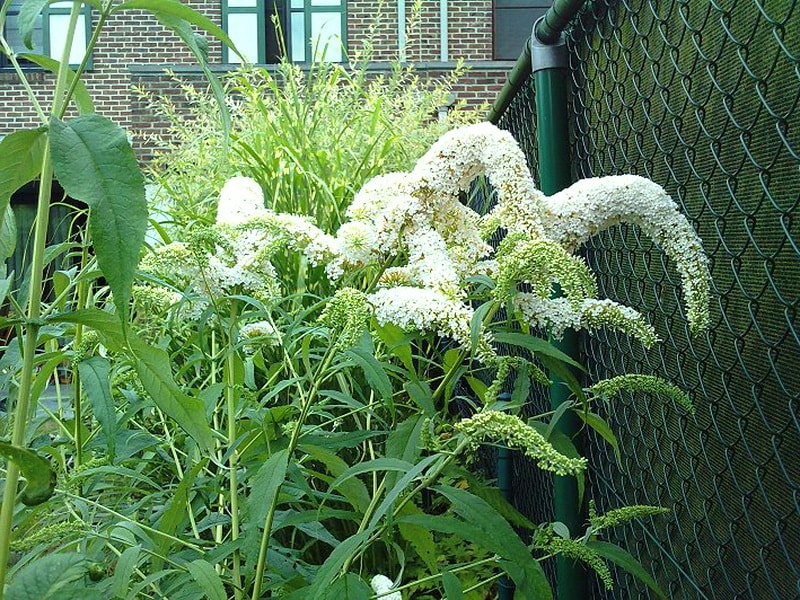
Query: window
x=49, y=33
x=308, y=30
x=513, y=23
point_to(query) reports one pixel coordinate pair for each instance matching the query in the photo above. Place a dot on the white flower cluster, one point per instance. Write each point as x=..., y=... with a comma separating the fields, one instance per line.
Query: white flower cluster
x=382, y=586
x=418, y=217
x=258, y=333
x=233, y=257
x=556, y=315
x=414, y=226
x=592, y=205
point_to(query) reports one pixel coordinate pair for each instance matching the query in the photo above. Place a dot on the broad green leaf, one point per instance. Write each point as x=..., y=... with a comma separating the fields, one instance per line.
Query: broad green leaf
x=601, y=426
x=420, y=538
x=478, y=387
x=208, y=579
x=46, y=577
x=8, y=234
x=104, y=323
x=420, y=392
x=452, y=586
x=499, y=537
x=373, y=371
x=536, y=345
x=94, y=373
x=94, y=162
x=398, y=343
x=81, y=98
x=494, y=497
x=175, y=513
x=265, y=485
x=557, y=414
x=476, y=324
x=126, y=563
x=21, y=155
x=349, y=587
x=152, y=365
x=624, y=559
x=5, y=285
x=561, y=374
x=39, y=475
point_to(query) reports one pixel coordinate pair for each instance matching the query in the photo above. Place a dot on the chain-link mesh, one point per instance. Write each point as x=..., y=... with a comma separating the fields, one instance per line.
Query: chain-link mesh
x=702, y=97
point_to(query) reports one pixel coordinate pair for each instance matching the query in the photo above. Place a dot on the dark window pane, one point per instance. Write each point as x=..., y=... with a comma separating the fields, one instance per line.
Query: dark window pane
x=512, y=28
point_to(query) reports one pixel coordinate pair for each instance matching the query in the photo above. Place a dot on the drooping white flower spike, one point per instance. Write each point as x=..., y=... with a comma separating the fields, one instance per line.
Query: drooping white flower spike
x=461, y=155
x=593, y=205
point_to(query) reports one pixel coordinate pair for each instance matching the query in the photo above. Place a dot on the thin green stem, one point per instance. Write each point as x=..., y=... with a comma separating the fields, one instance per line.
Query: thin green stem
x=31, y=332
x=230, y=403
x=306, y=400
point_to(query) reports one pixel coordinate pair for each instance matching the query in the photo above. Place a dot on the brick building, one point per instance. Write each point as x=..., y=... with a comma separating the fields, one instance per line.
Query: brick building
x=134, y=50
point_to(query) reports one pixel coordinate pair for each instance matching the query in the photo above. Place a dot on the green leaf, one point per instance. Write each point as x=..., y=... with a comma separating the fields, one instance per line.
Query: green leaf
x=21, y=155
x=557, y=414
x=179, y=18
x=536, y=345
x=39, y=475
x=180, y=11
x=452, y=586
x=104, y=323
x=622, y=558
x=476, y=325
x=8, y=234
x=208, y=579
x=126, y=564
x=349, y=587
x=26, y=19
x=45, y=578
x=175, y=513
x=373, y=371
x=94, y=373
x=353, y=490
x=499, y=537
x=399, y=487
x=379, y=464
x=334, y=563
x=81, y=98
x=398, y=343
x=420, y=392
x=603, y=429
x=420, y=538
x=94, y=162
x=152, y=365
x=265, y=485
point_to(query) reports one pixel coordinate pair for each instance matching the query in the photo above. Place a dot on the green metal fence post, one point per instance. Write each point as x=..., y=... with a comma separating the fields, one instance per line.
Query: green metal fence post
x=550, y=65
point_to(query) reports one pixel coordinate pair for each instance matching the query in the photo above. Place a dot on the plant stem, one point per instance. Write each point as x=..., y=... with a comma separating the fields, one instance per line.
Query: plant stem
x=293, y=442
x=230, y=403
x=31, y=329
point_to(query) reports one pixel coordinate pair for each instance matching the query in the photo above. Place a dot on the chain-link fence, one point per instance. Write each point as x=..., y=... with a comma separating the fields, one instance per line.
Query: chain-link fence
x=702, y=97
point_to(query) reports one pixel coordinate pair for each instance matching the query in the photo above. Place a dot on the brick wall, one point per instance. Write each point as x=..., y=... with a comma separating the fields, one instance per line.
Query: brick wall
x=134, y=50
